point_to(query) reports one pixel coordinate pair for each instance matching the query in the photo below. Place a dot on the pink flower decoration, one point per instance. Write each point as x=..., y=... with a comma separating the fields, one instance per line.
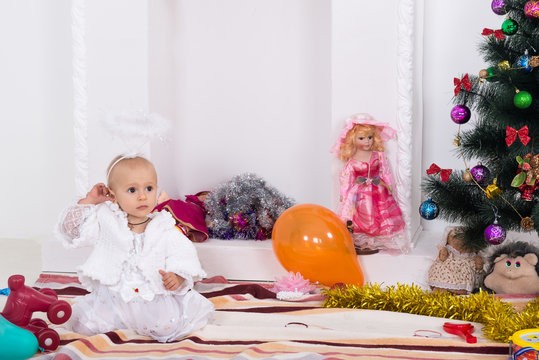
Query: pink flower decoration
x=293, y=282
x=526, y=166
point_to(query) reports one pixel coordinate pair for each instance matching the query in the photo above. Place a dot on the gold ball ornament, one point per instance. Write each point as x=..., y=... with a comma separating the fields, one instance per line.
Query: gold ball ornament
x=527, y=223
x=483, y=74
x=467, y=176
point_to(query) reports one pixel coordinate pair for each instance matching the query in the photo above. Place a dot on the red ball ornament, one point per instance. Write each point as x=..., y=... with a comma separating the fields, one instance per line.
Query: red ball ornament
x=531, y=9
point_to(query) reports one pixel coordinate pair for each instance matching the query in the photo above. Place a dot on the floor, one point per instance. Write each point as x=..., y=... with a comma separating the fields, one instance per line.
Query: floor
x=19, y=256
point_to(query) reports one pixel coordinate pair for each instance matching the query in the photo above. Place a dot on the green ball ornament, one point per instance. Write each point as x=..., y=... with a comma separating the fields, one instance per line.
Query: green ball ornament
x=522, y=99
x=509, y=27
x=492, y=74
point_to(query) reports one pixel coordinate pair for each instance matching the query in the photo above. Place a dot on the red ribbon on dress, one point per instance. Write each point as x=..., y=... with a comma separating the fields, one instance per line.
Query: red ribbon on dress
x=498, y=34
x=435, y=169
x=511, y=135
x=465, y=82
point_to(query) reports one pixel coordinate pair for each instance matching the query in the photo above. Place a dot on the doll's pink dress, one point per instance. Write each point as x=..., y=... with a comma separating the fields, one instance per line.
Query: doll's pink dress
x=376, y=216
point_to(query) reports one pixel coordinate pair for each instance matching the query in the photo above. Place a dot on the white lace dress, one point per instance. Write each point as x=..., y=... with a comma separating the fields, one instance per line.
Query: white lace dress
x=132, y=301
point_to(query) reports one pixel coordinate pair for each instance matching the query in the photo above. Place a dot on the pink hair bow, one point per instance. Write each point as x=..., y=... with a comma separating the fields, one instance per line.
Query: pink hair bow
x=511, y=135
x=465, y=82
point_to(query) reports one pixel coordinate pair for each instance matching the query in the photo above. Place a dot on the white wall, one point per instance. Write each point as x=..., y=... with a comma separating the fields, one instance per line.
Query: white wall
x=117, y=73
x=247, y=84
x=299, y=85
x=36, y=136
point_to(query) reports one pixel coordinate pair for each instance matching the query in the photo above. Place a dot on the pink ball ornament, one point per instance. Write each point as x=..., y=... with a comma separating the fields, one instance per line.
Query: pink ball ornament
x=531, y=9
x=460, y=114
x=495, y=234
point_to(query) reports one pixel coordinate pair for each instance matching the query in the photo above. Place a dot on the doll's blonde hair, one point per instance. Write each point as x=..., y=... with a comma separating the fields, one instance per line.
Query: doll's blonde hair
x=348, y=148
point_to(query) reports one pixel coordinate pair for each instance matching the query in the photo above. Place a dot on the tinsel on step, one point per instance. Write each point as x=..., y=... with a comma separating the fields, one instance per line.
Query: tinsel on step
x=245, y=207
x=500, y=320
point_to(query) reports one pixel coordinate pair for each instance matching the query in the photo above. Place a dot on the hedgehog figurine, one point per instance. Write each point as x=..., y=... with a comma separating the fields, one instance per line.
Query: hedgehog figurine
x=513, y=269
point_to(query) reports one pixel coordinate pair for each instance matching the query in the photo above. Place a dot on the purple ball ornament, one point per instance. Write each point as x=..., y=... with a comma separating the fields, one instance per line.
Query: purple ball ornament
x=498, y=6
x=531, y=9
x=480, y=174
x=460, y=114
x=495, y=234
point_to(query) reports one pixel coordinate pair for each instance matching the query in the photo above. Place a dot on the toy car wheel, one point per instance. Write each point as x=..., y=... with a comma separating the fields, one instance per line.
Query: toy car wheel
x=49, y=292
x=59, y=312
x=39, y=323
x=48, y=339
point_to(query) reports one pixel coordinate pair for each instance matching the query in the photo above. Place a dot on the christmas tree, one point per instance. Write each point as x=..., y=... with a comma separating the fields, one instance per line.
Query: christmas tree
x=494, y=192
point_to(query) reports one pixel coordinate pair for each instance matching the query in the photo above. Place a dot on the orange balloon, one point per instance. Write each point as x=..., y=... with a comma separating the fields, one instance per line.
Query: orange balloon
x=313, y=241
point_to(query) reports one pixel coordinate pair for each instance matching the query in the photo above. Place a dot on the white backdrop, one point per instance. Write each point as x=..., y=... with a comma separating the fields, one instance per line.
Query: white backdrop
x=259, y=86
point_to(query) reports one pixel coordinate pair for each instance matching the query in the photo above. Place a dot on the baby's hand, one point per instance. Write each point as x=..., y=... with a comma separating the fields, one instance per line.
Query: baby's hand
x=99, y=193
x=171, y=281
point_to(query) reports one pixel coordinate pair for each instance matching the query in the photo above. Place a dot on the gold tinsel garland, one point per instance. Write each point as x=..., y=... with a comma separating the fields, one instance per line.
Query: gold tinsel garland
x=500, y=320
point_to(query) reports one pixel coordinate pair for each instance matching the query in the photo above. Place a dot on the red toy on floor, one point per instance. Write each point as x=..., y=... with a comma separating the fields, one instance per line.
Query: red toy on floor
x=23, y=301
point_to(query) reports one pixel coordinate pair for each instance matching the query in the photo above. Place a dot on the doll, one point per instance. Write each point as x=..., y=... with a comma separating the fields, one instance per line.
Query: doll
x=457, y=269
x=366, y=201
x=189, y=215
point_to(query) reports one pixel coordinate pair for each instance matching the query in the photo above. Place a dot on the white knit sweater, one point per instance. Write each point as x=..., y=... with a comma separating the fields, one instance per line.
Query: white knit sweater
x=104, y=227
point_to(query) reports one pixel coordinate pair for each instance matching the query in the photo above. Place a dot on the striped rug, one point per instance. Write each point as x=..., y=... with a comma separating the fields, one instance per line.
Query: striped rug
x=250, y=323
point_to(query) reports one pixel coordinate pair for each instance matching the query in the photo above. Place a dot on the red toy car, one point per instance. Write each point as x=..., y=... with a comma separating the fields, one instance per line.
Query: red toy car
x=24, y=300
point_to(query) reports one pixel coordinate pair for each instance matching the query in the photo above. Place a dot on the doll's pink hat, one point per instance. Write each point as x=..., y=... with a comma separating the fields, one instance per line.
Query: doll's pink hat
x=386, y=131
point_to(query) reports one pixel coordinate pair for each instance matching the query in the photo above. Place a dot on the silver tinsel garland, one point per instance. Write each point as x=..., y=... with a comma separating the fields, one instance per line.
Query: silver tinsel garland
x=244, y=208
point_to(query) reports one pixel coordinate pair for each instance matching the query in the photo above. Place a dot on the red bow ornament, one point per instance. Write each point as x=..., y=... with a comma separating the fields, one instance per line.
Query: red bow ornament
x=435, y=169
x=465, y=82
x=498, y=34
x=511, y=135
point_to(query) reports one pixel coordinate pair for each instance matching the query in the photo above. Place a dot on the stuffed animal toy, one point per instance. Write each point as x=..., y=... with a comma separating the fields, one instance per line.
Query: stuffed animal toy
x=458, y=268
x=513, y=269
x=190, y=214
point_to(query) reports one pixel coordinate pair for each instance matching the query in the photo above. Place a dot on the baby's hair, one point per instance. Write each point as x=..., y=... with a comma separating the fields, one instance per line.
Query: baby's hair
x=120, y=158
x=348, y=148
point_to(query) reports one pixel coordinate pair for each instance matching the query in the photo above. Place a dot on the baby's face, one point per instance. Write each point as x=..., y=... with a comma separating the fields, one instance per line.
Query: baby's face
x=134, y=186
